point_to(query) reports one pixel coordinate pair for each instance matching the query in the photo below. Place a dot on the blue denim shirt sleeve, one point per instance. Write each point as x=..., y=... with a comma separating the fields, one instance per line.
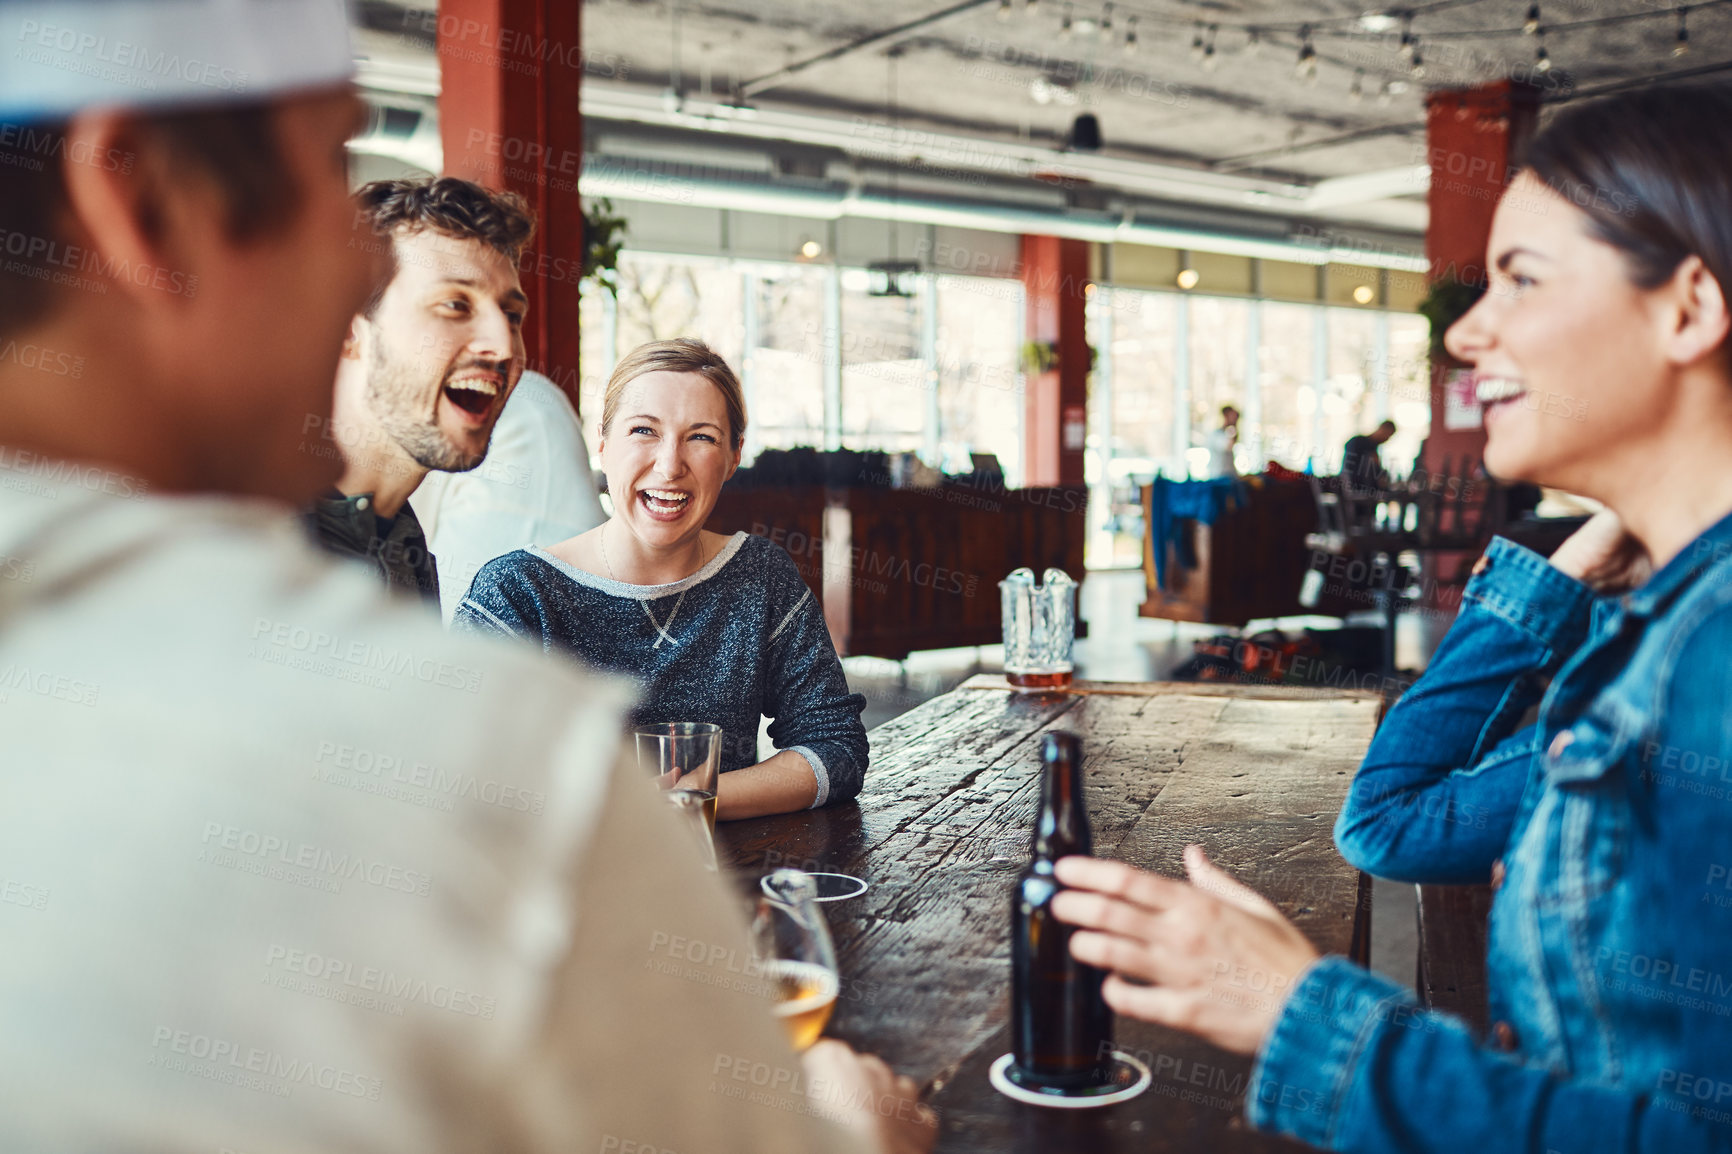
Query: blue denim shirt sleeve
x=1355, y=1064
x=1438, y=792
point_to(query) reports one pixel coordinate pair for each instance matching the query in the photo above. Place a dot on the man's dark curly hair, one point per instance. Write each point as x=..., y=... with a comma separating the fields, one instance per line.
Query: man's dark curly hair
x=501, y=220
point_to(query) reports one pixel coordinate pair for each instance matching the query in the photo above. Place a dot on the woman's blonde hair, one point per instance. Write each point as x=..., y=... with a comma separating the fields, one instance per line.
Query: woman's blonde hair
x=681, y=355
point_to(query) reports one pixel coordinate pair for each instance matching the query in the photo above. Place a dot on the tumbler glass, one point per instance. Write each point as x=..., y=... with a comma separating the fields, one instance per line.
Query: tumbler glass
x=1039, y=629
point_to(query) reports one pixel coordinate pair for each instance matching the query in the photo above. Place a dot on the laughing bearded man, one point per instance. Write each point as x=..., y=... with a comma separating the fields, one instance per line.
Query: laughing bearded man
x=426, y=369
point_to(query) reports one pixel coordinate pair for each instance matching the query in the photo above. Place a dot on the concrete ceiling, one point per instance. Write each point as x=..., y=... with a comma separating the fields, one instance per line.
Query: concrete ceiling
x=1012, y=79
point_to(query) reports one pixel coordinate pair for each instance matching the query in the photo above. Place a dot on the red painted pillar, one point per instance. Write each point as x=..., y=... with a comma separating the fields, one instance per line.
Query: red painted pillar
x=509, y=118
x=1474, y=138
x=1055, y=273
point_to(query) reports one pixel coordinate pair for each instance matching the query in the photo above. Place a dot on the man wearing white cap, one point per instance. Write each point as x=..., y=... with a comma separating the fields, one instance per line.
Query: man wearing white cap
x=283, y=866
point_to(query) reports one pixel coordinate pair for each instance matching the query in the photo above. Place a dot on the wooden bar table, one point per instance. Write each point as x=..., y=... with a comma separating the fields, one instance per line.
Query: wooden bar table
x=1255, y=775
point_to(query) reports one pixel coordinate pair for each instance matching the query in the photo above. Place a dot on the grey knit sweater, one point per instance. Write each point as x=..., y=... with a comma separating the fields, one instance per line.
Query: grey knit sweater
x=741, y=638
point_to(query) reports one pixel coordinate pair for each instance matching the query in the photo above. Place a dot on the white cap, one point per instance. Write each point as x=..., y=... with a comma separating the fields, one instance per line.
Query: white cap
x=57, y=58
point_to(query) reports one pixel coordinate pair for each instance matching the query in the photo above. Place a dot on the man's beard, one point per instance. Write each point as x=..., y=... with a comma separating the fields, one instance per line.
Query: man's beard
x=395, y=396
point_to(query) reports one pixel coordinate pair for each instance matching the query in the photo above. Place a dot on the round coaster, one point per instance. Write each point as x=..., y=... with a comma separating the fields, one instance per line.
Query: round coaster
x=831, y=887
x=1129, y=1078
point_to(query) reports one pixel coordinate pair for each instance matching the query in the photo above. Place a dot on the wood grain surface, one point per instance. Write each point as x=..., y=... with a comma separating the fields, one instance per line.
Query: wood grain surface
x=1256, y=776
x=1452, y=951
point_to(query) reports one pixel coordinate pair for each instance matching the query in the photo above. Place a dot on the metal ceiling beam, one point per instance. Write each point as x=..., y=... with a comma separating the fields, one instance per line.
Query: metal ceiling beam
x=770, y=80
x=1101, y=227
x=1364, y=187
x=941, y=152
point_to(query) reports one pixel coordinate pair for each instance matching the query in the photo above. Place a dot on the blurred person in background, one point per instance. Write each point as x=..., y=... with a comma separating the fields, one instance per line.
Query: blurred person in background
x=283, y=865
x=535, y=488
x=428, y=366
x=1569, y=743
x=1221, y=444
x=712, y=627
x=1361, y=462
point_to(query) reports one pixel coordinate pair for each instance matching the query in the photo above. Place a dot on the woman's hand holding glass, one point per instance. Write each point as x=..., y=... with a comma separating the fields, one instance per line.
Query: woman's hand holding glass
x=1211, y=956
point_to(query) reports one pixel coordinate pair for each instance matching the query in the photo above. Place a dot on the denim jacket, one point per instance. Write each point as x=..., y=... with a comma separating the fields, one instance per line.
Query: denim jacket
x=1610, y=956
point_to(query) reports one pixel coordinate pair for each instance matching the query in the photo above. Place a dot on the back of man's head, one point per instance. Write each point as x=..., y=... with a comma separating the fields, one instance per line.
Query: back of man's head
x=180, y=247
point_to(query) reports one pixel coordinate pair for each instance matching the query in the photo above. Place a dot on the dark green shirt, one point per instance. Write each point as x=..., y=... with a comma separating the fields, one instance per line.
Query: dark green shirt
x=348, y=527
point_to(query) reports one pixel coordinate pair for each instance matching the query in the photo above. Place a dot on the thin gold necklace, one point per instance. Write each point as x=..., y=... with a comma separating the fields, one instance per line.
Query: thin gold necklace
x=615, y=576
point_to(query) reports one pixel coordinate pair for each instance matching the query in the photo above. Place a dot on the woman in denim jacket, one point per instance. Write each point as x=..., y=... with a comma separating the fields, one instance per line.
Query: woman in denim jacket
x=1601, y=354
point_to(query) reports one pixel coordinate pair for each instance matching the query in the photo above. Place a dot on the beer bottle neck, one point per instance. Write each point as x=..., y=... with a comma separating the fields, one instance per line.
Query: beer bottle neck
x=1062, y=827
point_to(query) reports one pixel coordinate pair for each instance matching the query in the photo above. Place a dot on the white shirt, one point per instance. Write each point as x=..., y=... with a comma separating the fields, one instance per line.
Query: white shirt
x=1220, y=442
x=534, y=488
x=285, y=867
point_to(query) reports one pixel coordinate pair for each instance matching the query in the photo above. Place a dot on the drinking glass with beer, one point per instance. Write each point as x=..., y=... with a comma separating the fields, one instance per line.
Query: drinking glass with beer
x=1039, y=628
x=792, y=950
x=685, y=758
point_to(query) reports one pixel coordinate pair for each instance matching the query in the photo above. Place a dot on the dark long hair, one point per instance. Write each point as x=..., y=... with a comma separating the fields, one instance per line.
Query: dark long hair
x=1653, y=172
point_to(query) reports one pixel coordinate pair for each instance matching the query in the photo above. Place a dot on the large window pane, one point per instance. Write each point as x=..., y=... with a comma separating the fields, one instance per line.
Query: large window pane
x=787, y=364
x=884, y=385
x=665, y=297
x=595, y=339
x=1145, y=333
x=1347, y=401
x=980, y=397
x=1217, y=349
x=1409, y=385
x=1285, y=375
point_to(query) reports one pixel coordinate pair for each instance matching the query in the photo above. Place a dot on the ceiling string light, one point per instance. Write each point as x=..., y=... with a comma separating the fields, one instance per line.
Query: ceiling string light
x=1118, y=20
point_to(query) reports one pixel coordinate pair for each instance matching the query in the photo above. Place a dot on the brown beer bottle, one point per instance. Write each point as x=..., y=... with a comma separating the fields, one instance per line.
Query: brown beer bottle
x=1061, y=1029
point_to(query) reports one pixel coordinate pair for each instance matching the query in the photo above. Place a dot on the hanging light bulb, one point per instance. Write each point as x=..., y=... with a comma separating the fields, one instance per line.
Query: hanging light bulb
x=1306, y=68
x=1197, y=42
x=1106, y=26
x=1386, y=93
x=1131, y=36
x=1542, y=58
x=1357, y=92
x=1064, y=23
x=1531, y=26
x=1416, y=68
x=1030, y=7
x=1253, y=43
x=1004, y=9
x=1407, y=41
x=1209, y=57
x=1682, y=46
